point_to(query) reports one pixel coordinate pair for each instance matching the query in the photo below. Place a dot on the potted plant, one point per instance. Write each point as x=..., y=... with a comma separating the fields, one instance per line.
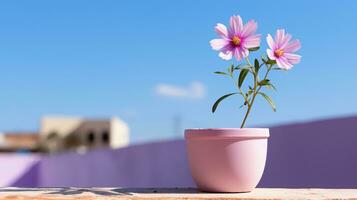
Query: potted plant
x=233, y=159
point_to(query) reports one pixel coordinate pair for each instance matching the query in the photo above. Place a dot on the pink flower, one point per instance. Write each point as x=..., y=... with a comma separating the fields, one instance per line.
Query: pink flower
x=237, y=40
x=281, y=49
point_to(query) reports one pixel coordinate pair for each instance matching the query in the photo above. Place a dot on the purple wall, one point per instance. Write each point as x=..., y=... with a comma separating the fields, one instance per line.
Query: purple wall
x=316, y=154
x=161, y=164
x=13, y=167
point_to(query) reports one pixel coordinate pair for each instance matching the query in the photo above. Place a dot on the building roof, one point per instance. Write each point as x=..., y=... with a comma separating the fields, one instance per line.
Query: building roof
x=14, y=141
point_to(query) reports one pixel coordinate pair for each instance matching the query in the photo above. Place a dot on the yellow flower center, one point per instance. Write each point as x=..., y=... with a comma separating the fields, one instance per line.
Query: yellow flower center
x=278, y=52
x=236, y=40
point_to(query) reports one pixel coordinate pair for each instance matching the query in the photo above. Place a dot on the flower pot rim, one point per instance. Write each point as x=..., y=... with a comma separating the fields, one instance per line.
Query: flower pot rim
x=212, y=133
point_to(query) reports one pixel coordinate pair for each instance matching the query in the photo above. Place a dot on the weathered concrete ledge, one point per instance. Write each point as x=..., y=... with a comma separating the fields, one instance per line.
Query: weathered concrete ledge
x=168, y=193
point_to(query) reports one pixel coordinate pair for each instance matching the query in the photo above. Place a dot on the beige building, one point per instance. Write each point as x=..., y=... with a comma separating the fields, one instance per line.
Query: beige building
x=74, y=133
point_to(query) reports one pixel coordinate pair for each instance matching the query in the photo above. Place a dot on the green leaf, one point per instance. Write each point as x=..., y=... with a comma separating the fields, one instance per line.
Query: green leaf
x=242, y=75
x=264, y=82
x=256, y=66
x=267, y=83
x=278, y=68
x=269, y=100
x=264, y=61
x=222, y=73
x=214, y=107
x=270, y=62
x=231, y=70
x=270, y=86
x=240, y=66
x=237, y=67
x=254, y=49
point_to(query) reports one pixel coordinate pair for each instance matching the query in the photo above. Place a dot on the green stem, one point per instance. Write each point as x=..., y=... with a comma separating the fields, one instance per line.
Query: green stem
x=246, y=114
x=266, y=76
x=248, y=62
x=256, y=90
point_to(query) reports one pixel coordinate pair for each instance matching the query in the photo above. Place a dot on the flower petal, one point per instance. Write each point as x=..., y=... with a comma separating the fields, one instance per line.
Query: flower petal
x=249, y=29
x=218, y=44
x=283, y=63
x=271, y=42
x=292, y=47
x=280, y=34
x=237, y=54
x=271, y=54
x=225, y=56
x=240, y=53
x=236, y=23
x=244, y=52
x=252, y=41
x=292, y=58
x=221, y=30
x=285, y=41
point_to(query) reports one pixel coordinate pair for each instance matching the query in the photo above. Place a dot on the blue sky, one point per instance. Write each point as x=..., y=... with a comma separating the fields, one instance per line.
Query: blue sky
x=106, y=58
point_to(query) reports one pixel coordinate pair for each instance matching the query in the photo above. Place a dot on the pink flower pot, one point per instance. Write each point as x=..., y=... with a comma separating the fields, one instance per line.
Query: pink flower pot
x=227, y=159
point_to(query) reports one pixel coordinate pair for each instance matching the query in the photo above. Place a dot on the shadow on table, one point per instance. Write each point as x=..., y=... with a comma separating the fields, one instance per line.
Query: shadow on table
x=103, y=191
x=96, y=191
x=67, y=191
x=156, y=190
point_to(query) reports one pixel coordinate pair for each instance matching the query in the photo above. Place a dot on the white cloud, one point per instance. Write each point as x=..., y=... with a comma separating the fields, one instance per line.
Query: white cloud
x=196, y=90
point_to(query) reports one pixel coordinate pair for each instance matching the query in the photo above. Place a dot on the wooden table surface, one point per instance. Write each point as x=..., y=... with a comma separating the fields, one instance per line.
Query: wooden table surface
x=168, y=193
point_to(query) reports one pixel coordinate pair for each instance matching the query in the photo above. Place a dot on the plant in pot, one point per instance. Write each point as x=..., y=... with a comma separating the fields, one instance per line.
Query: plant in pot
x=233, y=159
